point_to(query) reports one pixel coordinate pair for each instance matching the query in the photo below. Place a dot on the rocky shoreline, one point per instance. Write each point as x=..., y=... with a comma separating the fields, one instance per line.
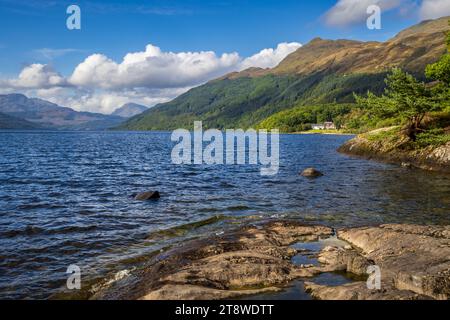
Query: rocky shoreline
x=414, y=262
x=429, y=158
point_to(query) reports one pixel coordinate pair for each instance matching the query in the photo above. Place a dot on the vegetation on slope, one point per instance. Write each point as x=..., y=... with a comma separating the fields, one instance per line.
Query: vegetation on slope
x=322, y=72
x=422, y=110
x=300, y=118
x=244, y=102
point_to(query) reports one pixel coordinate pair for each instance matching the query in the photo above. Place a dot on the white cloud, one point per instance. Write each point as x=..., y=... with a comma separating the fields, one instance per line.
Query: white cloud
x=269, y=58
x=349, y=12
x=153, y=68
x=432, y=9
x=149, y=77
x=38, y=76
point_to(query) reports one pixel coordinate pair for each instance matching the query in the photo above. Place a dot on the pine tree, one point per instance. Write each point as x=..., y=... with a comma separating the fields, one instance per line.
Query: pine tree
x=405, y=97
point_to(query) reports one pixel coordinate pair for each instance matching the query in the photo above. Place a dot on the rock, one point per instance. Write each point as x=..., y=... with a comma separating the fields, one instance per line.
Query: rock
x=191, y=292
x=340, y=259
x=246, y=261
x=434, y=158
x=149, y=195
x=406, y=165
x=311, y=173
x=358, y=291
x=413, y=260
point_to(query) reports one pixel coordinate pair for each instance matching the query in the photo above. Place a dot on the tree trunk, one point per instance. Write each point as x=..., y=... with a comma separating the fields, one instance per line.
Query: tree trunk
x=414, y=127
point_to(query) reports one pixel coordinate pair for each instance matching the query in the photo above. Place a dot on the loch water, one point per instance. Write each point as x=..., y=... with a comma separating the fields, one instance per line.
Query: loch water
x=65, y=199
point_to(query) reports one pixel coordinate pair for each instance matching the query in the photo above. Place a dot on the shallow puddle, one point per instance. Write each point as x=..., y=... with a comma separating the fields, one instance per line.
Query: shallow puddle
x=296, y=290
x=308, y=252
x=304, y=259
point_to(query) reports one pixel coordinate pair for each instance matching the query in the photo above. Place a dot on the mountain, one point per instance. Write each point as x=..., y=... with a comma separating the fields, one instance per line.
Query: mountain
x=48, y=115
x=10, y=122
x=320, y=72
x=129, y=110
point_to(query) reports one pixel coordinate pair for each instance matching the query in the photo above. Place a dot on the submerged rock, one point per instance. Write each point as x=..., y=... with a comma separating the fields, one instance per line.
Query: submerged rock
x=311, y=173
x=149, y=195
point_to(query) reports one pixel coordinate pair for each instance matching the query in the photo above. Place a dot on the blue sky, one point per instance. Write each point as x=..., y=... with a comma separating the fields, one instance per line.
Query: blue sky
x=34, y=32
x=118, y=27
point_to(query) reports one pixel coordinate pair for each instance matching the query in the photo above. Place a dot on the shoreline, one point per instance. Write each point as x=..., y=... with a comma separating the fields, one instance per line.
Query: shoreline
x=431, y=158
x=267, y=257
x=323, y=133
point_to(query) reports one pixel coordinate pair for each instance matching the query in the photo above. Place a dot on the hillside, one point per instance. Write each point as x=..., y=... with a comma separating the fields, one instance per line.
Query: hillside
x=10, y=122
x=48, y=115
x=321, y=72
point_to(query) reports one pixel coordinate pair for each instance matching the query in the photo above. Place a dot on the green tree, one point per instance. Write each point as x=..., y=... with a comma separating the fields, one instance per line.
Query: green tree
x=440, y=72
x=405, y=98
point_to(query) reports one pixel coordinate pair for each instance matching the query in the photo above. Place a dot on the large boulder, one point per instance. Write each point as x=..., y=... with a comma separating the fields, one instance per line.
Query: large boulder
x=311, y=173
x=149, y=195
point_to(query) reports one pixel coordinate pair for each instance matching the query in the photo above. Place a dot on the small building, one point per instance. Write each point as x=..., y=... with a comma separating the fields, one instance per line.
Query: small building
x=324, y=126
x=317, y=126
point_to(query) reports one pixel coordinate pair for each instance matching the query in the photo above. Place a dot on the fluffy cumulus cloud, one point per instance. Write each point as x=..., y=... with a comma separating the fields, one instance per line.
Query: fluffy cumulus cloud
x=152, y=76
x=152, y=68
x=432, y=9
x=37, y=76
x=269, y=58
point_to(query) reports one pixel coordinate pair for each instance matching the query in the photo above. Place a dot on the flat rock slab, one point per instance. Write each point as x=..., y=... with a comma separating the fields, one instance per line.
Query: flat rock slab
x=414, y=262
x=248, y=261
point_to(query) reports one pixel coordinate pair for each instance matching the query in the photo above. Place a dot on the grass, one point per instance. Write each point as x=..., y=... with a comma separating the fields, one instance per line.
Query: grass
x=385, y=134
x=434, y=137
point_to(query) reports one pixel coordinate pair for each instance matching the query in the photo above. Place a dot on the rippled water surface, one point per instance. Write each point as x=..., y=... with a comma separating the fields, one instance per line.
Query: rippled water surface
x=64, y=199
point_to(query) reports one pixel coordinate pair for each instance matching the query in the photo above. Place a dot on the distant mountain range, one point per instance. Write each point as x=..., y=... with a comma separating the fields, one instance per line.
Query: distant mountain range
x=20, y=112
x=129, y=110
x=321, y=72
x=10, y=122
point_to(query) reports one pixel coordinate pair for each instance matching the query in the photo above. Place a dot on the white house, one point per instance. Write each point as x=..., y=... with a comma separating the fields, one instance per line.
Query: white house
x=324, y=126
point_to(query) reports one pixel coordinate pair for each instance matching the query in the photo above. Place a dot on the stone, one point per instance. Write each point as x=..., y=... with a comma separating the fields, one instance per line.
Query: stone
x=413, y=260
x=247, y=261
x=149, y=195
x=434, y=158
x=406, y=165
x=311, y=173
